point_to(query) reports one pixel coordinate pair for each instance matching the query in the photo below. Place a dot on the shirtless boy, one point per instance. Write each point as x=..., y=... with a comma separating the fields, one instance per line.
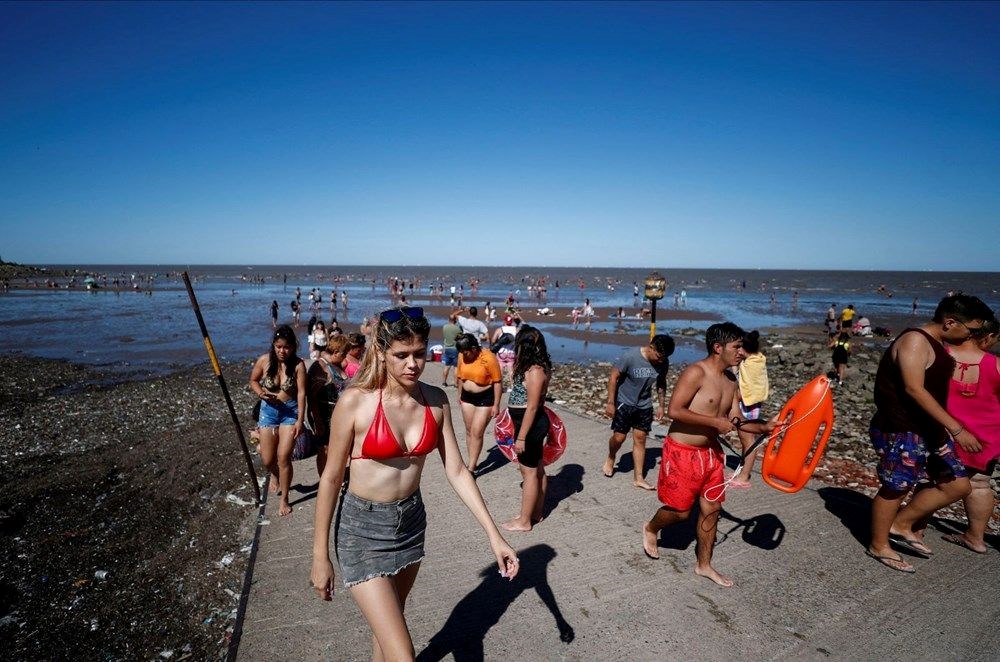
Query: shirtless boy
x=704, y=405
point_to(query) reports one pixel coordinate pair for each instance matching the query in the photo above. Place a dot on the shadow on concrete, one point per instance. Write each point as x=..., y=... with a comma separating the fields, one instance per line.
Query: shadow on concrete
x=472, y=618
x=853, y=509
x=626, y=463
x=762, y=531
x=566, y=483
x=494, y=460
x=308, y=493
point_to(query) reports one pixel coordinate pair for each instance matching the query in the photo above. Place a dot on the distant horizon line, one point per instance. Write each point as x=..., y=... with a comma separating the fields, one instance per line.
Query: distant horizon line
x=483, y=266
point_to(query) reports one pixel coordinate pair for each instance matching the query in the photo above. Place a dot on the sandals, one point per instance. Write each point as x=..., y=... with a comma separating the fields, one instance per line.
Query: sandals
x=898, y=565
x=915, y=547
x=956, y=539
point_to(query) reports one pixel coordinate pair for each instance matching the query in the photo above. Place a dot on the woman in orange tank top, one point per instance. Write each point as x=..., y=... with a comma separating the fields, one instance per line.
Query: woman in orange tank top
x=387, y=423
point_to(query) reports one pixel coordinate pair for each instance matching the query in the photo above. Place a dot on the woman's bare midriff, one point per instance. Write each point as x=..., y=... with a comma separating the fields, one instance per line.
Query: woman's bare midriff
x=473, y=387
x=385, y=481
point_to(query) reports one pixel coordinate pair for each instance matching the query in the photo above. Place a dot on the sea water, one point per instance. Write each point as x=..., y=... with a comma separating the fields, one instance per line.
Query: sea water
x=154, y=329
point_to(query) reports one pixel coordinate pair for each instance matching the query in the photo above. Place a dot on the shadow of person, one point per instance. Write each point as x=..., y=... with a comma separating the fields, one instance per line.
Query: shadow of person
x=494, y=460
x=762, y=531
x=562, y=485
x=463, y=633
x=853, y=509
x=626, y=463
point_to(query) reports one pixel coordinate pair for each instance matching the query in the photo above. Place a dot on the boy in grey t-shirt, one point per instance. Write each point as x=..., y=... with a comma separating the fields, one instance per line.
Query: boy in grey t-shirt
x=630, y=401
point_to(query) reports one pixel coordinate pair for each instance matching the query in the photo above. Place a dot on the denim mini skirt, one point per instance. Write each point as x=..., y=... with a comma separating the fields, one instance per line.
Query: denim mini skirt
x=375, y=539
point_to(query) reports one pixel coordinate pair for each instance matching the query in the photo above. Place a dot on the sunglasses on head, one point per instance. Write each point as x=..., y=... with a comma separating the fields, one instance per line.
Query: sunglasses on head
x=393, y=315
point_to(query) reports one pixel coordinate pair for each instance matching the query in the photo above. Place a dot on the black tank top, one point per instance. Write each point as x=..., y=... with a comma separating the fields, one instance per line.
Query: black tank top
x=898, y=412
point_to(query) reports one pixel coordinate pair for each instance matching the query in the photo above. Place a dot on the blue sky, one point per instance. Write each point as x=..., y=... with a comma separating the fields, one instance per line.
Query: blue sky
x=859, y=135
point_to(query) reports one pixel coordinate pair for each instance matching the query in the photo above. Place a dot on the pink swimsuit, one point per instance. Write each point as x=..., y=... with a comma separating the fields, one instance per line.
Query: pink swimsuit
x=976, y=405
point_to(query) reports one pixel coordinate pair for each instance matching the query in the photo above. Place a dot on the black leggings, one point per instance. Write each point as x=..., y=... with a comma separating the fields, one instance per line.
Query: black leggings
x=534, y=439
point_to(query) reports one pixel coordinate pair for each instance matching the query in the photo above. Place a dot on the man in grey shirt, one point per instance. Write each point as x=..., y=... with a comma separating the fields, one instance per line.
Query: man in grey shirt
x=630, y=401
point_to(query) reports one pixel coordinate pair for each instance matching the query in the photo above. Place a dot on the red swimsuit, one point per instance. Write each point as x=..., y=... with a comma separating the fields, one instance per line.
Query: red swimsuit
x=380, y=443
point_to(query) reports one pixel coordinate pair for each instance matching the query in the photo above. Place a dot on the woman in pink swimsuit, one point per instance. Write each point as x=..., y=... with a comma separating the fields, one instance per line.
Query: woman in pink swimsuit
x=387, y=423
x=974, y=401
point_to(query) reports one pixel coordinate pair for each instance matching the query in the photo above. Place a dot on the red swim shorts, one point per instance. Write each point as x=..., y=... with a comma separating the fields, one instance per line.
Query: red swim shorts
x=686, y=472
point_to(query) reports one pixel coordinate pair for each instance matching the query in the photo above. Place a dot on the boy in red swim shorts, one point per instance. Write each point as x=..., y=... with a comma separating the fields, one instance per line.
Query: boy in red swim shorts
x=704, y=404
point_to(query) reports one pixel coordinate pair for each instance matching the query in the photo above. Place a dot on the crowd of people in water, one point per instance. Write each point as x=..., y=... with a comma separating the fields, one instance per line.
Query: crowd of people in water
x=936, y=431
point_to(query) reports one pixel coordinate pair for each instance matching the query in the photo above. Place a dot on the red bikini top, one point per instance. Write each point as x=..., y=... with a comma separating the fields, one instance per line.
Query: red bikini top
x=380, y=443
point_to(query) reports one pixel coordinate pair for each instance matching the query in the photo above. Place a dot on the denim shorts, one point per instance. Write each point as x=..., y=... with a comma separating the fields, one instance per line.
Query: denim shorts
x=450, y=356
x=375, y=539
x=279, y=413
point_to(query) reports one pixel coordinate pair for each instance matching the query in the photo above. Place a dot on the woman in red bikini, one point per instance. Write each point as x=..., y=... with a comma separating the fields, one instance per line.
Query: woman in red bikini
x=387, y=423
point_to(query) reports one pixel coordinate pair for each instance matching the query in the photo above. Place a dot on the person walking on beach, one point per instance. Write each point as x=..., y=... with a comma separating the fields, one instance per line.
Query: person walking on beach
x=502, y=344
x=703, y=405
x=274, y=314
x=386, y=424
x=913, y=433
x=327, y=380
x=630, y=401
x=472, y=324
x=449, y=359
x=355, y=353
x=479, y=389
x=753, y=389
x=847, y=318
x=841, y=346
x=278, y=378
x=526, y=403
x=974, y=401
x=294, y=305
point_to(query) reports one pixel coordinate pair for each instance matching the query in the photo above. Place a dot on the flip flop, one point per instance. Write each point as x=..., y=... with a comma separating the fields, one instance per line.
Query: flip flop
x=956, y=539
x=739, y=486
x=910, y=546
x=888, y=562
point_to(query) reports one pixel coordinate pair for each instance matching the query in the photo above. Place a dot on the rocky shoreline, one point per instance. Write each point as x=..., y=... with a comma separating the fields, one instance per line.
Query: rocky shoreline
x=127, y=520
x=127, y=517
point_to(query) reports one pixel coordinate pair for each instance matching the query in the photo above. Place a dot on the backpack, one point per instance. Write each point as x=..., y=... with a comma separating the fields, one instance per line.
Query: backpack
x=501, y=342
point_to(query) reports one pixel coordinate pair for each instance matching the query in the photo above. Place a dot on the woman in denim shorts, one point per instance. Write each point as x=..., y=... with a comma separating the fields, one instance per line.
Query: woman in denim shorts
x=278, y=378
x=386, y=424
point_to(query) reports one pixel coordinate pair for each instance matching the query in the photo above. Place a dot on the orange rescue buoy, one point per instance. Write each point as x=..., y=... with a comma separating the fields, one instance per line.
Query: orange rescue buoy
x=794, y=450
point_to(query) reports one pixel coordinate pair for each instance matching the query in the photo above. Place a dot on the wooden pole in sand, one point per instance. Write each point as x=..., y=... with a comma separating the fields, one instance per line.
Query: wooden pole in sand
x=251, y=474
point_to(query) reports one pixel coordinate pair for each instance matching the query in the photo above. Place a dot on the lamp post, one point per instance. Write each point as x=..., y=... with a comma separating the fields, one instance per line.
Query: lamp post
x=656, y=287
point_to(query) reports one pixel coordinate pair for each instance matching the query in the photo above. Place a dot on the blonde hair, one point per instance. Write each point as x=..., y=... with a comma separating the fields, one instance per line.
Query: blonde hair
x=372, y=373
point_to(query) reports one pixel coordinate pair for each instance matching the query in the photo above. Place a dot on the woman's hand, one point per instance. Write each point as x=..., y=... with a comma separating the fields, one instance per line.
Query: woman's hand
x=519, y=446
x=507, y=559
x=321, y=579
x=968, y=442
x=493, y=411
x=296, y=429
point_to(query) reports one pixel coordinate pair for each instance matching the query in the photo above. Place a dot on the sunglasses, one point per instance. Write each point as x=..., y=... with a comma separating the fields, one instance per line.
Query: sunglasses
x=975, y=331
x=393, y=315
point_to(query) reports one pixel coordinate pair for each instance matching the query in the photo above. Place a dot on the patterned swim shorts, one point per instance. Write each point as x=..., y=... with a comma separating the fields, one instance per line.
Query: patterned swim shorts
x=904, y=460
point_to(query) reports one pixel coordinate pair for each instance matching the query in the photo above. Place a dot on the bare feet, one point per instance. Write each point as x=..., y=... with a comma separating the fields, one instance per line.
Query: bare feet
x=609, y=468
x=649, y=545
x=272, y=486
x=643, y=485
x=739, y=484
x=517, y=524
x=711, y=573
x=284, y=509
